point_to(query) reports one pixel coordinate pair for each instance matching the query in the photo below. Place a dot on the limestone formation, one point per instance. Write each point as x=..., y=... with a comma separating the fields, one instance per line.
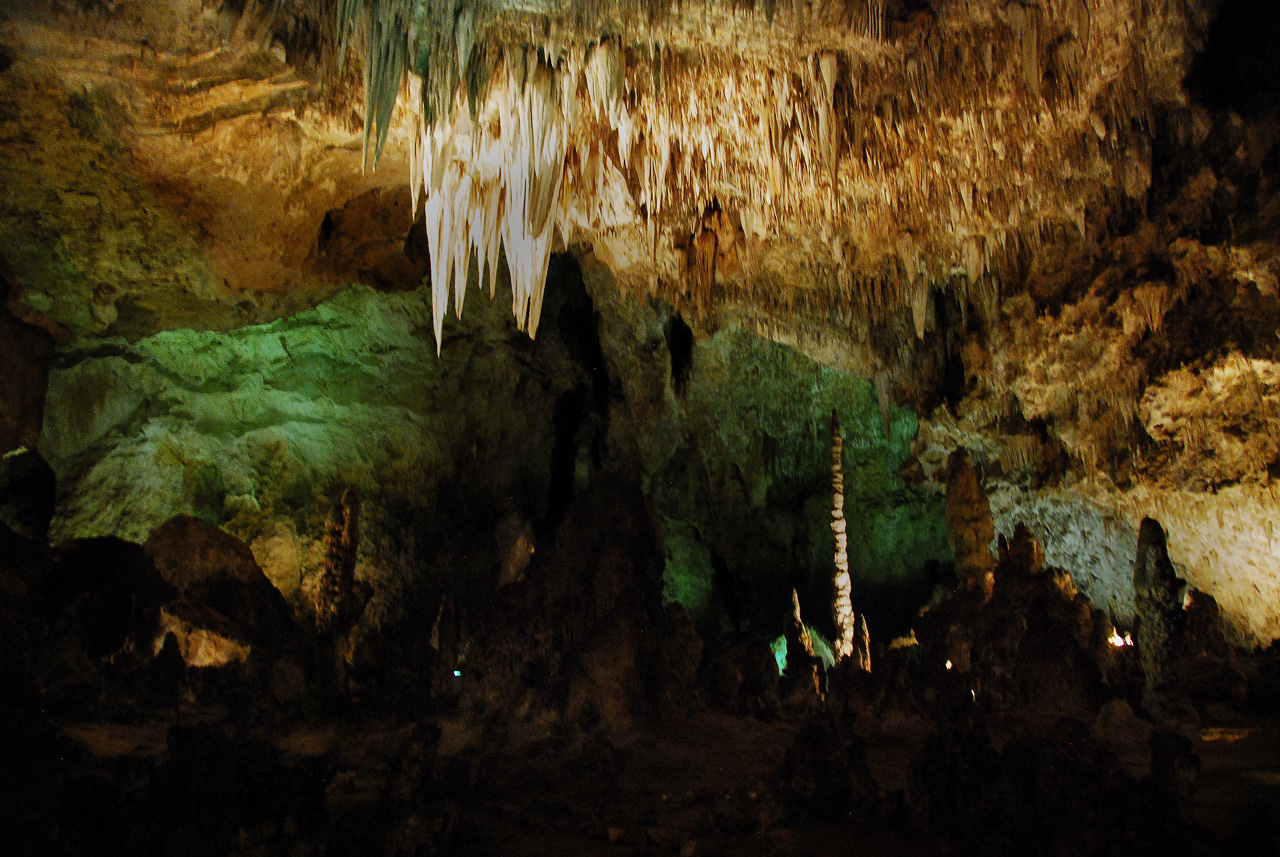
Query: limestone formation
x=842, y=603
x=802, y=679
x=1158, y=594
x=1026, y=250
x=338, y=600
x=798, y=637
x=862, y=644
x=969, y=526
x=923, y=197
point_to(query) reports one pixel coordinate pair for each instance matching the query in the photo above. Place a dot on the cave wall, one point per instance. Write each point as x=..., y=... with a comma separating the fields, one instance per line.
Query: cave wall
x=259, y=430
x=1118, y=352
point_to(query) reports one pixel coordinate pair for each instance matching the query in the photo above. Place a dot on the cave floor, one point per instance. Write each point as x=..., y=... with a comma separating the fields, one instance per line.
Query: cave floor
x=1239, y=775
x=696, y=788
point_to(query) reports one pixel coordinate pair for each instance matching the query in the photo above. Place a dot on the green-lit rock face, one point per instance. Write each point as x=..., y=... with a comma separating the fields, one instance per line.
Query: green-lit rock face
x=217, y=424
x=259, y=429
x=738, y=464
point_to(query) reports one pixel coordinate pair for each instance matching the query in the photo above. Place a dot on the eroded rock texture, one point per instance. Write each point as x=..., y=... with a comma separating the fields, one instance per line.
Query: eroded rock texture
x=261, y=429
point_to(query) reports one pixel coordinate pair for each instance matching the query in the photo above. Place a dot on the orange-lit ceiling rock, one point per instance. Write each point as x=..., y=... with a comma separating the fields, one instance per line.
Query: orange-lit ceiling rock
x=852, y=156
x=165, y=167
x=856, y=160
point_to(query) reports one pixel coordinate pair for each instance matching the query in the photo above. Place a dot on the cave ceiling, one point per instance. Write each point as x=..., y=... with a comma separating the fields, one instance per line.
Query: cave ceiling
x=1048, y=227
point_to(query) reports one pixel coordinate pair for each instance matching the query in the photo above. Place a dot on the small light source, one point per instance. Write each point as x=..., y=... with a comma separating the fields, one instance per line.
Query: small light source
x=1119, y=642
x=948, y=664
x=457, y=673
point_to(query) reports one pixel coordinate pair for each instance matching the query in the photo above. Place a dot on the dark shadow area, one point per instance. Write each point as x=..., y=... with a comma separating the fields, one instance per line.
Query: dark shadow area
x=680, y=344
x=581, y=414
x=1239, y=68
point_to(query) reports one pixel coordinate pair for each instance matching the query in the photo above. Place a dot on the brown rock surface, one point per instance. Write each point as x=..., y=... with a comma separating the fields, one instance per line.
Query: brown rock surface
x=213, y=568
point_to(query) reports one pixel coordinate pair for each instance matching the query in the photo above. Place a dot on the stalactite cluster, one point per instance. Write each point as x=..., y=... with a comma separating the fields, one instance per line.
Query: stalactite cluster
x=617, y=123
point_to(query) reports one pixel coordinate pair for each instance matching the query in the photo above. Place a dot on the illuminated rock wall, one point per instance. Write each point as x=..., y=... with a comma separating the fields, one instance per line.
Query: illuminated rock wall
x=260, y=429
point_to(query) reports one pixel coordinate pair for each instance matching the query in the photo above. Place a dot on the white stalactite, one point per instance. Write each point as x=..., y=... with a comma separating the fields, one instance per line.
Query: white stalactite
x=500, y=180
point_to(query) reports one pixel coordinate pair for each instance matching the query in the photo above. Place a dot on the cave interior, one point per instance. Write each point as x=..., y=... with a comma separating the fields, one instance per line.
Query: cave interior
x=640, y=427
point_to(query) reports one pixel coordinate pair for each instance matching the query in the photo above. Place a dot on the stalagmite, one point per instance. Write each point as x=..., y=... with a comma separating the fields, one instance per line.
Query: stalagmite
x=802, y=679
x=842, y=605
x=862, y=644
x=338, y=602
x=1158, y=596
x=969, y=526
x=798, y=629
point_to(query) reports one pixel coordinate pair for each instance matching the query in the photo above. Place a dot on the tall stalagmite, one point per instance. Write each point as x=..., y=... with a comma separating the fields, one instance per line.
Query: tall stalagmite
x=339, y=603
x=969, y=525
x=1158, y=594
x=842, y=605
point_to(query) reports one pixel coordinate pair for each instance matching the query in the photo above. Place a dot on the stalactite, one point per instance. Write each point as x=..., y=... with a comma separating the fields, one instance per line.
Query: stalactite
x=531, y=128
x=842, y=604
x=920, y=305
x=1022, y=454
x=497, y=179
x=875, y=19
x=826, y=120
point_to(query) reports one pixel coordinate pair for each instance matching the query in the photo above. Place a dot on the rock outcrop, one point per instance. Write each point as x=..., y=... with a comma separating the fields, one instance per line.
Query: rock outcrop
x=223, y=593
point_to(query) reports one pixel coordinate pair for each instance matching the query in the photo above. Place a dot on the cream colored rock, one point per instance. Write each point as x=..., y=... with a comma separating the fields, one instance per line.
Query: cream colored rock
x=280, y=557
